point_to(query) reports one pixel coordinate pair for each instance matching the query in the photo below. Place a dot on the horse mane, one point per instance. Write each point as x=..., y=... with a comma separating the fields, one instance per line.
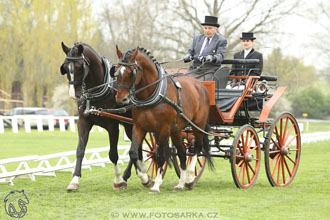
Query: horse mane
x=87, y=45
x=142, y=50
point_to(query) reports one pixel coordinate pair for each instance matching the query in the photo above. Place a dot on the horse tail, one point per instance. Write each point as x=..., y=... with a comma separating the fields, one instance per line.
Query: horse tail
x=206, y=148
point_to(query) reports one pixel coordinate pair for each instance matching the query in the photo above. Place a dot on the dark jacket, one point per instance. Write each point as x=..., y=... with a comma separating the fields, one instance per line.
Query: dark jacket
x=237, y=69
x=217, y=47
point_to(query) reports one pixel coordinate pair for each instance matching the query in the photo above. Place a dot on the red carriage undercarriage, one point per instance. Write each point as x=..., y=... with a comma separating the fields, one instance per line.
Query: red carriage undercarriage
x=232, y=108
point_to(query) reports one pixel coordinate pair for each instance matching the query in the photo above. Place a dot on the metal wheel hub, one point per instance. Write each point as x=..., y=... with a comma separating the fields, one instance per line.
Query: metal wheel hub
x=248, y=157
x=285, y=151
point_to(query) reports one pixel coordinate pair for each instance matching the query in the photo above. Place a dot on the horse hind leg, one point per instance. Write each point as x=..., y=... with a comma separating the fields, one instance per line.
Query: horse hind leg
x=177, y=141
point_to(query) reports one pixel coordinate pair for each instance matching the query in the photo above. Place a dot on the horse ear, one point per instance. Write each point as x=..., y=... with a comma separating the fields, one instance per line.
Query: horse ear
x=119, y=53
x=63, y=71
x=80, y=49
x=65, y=48
x=133, y=56
x=113, y=71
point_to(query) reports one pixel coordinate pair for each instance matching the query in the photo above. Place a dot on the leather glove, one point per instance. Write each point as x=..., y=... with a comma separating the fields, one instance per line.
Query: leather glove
x=187, y=58
x=210, y=58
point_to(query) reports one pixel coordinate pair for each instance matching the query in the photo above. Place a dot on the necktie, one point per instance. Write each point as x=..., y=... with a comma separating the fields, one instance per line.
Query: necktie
x=205, y=48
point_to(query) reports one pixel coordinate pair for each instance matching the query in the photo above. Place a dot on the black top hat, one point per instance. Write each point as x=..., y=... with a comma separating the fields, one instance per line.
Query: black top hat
x=247, y=36
x=211, y=21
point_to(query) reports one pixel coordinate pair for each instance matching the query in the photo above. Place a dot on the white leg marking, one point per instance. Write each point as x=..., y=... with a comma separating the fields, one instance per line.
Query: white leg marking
x=191, y=170
x=118, y=178
x=75, y=179
x=181, y=180
x=142, y=175
x=158, y=181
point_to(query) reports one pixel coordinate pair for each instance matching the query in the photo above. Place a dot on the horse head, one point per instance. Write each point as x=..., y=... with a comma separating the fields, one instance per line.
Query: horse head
x=134, y=70
x=83, y=67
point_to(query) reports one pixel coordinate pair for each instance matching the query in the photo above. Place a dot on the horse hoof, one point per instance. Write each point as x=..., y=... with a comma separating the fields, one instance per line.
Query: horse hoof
x=178, y=189
x=149, y=183
x=189, y=186
x=154, y=191
x=120, y=186
x=73, y=187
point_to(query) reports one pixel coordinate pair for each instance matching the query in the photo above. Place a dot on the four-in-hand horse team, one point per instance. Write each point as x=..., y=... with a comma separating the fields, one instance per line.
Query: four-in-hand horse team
x=197, y=109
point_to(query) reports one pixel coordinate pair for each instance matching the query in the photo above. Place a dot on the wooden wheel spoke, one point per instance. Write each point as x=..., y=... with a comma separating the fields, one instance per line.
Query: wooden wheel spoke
x=240, y=149
x=152, y=140
x=152, y=169
x=276, y=164
x=278, y=171
x=294, y=149
x=244, y=167
x=276, y=156
x=281, y=130
x=287, y=167
x=239, y=163
x=291, y=159
x=246, y=141
x=248, y=174
x=199, y=162
x=239, y=156
x=241, y=170
x=251, y=168
x=149, y=145
x=253, y=149
x=275, y=151
x=148, y=158
x=278, y=136
x=288, y=133
x=283, y=172
x=250, y=143
x=148, y=151
x=242, y=137
x=289, y=142
x=149, y=167
x=276, y=144
x=285, y=127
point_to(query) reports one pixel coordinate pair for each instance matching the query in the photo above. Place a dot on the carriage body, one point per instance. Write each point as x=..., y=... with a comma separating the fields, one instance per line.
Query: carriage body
x=241, y=129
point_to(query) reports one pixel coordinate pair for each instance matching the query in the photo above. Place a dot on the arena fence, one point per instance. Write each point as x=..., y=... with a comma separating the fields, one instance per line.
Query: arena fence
x=92, y=157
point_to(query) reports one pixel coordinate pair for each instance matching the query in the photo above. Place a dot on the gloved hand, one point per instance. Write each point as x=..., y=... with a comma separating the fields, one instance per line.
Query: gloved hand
x=210, y=58
x=187, y=58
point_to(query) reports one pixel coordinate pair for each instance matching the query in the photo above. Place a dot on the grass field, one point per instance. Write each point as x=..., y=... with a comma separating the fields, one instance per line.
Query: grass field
x=215, y=193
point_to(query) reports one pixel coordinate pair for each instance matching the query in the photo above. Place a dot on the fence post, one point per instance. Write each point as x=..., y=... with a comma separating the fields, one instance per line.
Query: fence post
x=2, y=128
x=14, y=124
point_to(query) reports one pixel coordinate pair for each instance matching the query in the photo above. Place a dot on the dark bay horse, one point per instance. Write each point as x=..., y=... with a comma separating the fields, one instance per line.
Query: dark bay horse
x=91, y=85
x=143, y=82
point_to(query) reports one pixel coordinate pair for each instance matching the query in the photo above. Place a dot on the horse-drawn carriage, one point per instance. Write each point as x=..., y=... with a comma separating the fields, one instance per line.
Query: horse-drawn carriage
x=234, y=133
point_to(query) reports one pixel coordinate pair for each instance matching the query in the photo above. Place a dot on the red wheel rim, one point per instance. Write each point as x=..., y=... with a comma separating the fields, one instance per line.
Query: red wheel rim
x=246, y=159
x=150, y=160
x=283, y=154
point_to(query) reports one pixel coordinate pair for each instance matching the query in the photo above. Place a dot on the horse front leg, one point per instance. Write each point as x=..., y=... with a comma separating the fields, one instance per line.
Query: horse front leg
x=137, y=138
x=83, y=130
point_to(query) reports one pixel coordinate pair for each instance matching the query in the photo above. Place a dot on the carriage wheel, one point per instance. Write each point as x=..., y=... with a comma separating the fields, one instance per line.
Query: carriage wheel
x=149, y=148
x=282, y=150
x=245, y=157
x=201, y=160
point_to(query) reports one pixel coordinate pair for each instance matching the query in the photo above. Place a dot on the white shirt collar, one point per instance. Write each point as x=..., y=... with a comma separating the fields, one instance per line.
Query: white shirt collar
x=246, y=52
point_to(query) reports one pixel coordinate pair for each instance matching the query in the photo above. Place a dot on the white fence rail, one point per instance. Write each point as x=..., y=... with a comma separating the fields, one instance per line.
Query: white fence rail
x=44, y=167
x=40, y=122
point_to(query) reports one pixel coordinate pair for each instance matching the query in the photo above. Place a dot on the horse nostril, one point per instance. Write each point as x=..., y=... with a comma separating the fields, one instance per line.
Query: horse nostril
x=124, y=100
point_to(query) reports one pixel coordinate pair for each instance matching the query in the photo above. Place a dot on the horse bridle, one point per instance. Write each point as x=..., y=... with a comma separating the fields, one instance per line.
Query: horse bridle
x=71, y=60
x=133, y=67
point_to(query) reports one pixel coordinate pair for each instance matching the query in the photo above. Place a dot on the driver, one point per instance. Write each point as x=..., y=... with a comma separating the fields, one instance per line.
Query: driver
x=207, y=51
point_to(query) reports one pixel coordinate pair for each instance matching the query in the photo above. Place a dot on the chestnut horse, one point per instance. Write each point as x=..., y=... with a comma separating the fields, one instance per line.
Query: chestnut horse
x=91, y=85
x=155, y=94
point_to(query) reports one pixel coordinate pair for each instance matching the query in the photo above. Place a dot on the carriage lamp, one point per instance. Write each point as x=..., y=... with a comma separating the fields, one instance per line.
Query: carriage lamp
x=263, y=87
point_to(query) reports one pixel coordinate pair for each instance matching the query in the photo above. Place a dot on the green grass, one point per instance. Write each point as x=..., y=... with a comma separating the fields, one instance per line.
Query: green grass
x=306, y=198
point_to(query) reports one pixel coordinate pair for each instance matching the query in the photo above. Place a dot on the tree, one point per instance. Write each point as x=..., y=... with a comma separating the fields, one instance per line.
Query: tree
x=167, y=28
x=310, y=100
x=30, y=37
x=291, y=71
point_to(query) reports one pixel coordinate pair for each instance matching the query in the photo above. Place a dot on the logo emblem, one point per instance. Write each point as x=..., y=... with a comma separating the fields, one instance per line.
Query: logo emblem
x=15, y=204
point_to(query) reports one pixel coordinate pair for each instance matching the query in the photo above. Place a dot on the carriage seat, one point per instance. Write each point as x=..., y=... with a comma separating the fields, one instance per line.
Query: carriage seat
x=226, y=98
x=221, y=77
